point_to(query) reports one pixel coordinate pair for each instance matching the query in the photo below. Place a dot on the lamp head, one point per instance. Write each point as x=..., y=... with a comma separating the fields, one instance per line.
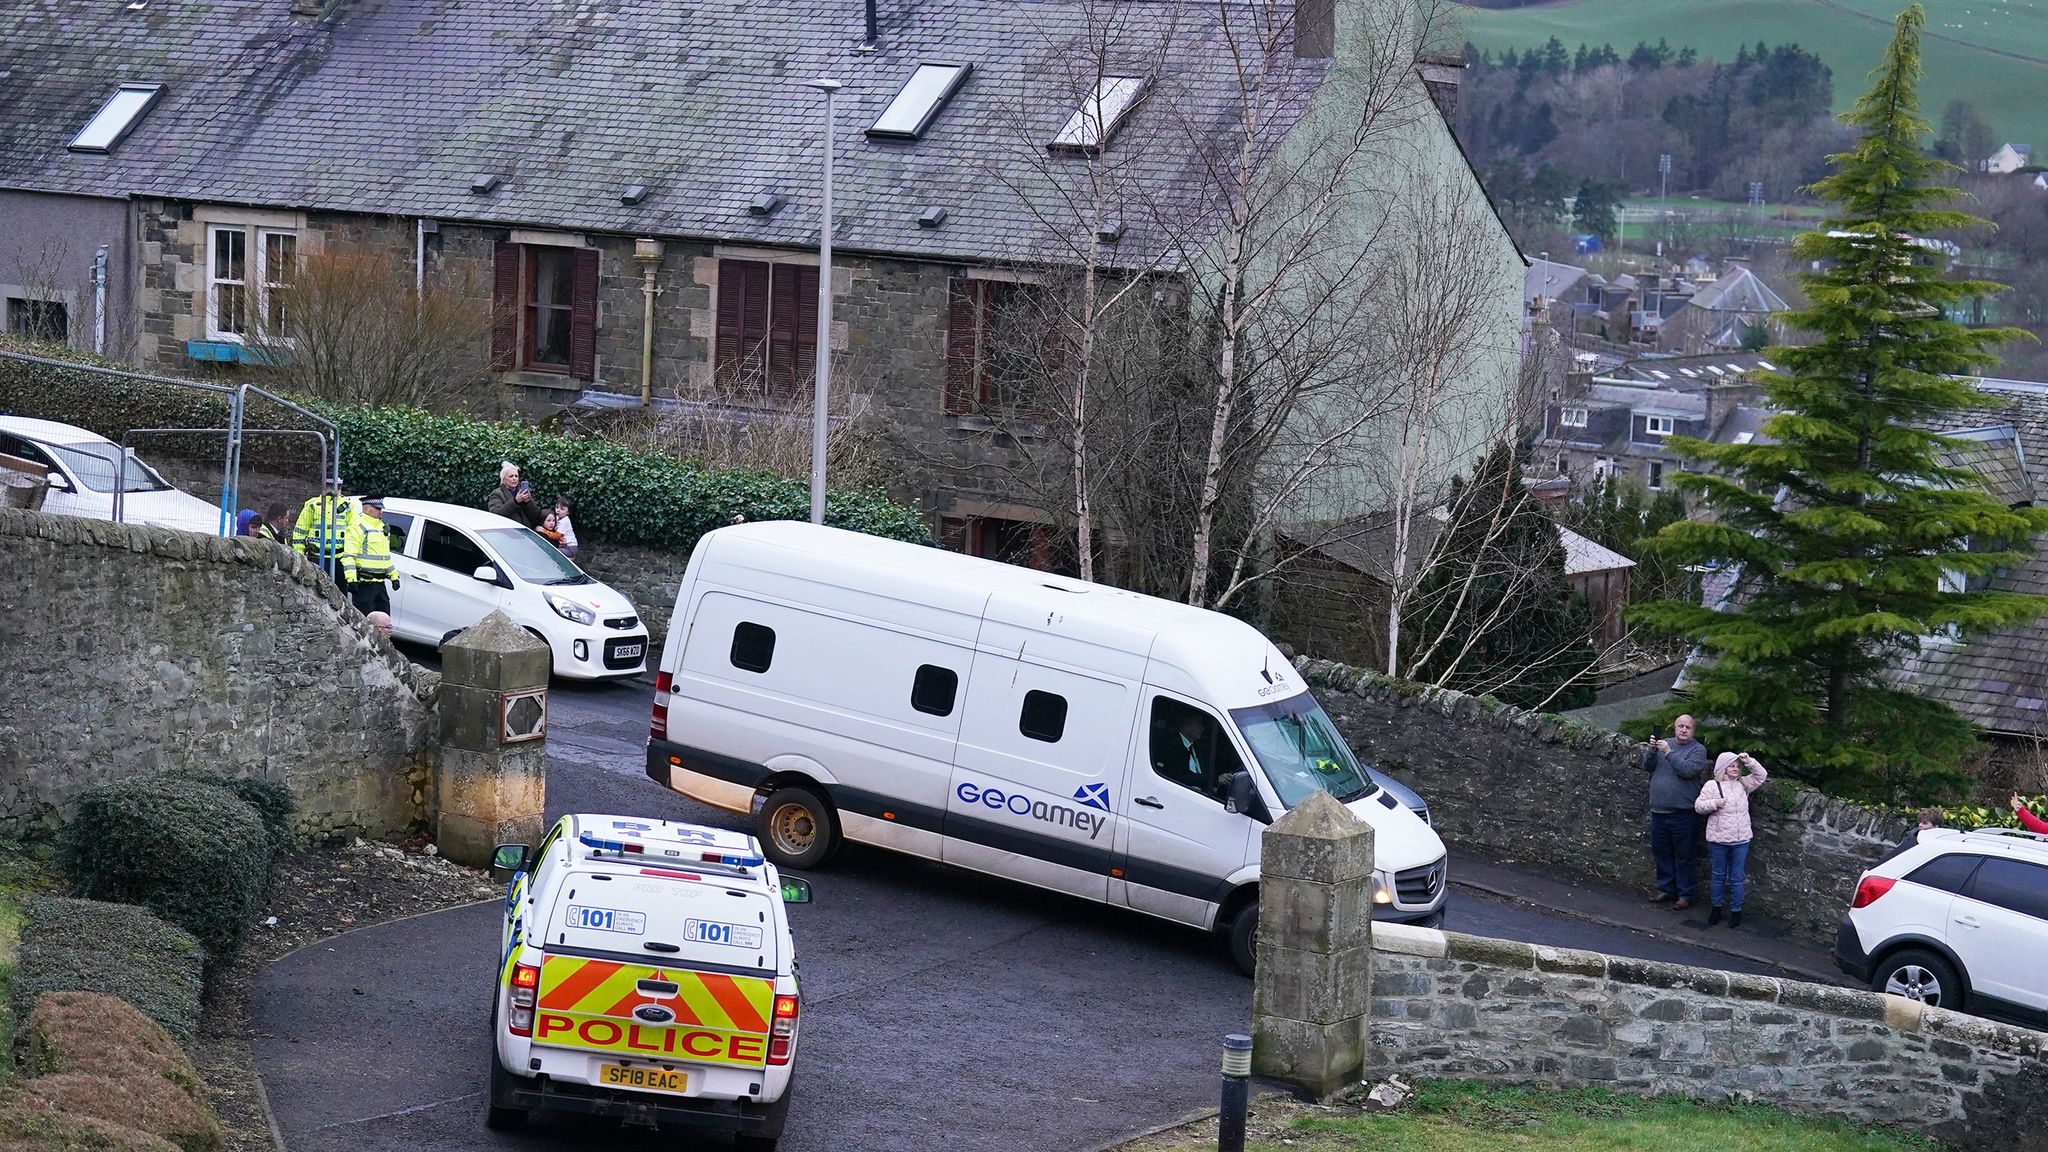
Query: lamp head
x=825, y=85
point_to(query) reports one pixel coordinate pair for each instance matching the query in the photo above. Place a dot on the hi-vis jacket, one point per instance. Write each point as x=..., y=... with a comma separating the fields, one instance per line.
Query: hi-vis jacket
x=366, y=557
x=307, y=535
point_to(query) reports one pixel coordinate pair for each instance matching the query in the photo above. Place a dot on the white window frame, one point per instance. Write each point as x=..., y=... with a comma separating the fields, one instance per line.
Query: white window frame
x=1571, y=418
x=1657, y=425
x=256, y=279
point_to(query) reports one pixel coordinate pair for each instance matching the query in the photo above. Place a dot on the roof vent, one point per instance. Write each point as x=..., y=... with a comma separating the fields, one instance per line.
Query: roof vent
x=484, y=183
x=764, y=205
x=1109, y=231
x=931, y=217
x=633, y=194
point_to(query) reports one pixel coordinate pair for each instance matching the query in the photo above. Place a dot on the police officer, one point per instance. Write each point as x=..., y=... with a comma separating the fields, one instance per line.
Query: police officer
x=367, y=571
x=322, y=529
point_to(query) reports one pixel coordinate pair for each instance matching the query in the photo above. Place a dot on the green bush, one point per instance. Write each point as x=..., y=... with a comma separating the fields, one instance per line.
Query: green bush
x=194, y=853
x=117, y=949
x=620, y=495
x=272, y=801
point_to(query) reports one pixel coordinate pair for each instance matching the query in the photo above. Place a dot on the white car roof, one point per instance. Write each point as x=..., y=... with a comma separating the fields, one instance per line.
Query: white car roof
x=50, y=430
x=2015, y=842
x=474, y=519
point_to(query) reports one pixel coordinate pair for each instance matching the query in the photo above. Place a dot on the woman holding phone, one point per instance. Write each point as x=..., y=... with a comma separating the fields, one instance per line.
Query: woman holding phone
x=1724, y=801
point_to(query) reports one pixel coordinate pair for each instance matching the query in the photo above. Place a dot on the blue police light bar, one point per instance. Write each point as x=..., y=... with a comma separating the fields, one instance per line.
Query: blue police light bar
x=590, y=841
x=736, y=861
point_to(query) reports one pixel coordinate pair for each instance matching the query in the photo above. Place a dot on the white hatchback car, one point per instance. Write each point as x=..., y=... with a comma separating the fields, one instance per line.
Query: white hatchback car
x=1958, y=920
x=82, y=467
x=457, y=565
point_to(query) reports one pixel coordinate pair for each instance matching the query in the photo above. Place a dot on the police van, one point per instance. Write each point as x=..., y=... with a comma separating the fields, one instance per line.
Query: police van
x=1081, y=738
x=646, y=972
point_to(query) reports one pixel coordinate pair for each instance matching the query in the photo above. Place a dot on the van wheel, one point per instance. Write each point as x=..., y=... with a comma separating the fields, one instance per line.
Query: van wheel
x=1244, y=937
x=796, y=828
x=497, y=1117
x=775, y=1114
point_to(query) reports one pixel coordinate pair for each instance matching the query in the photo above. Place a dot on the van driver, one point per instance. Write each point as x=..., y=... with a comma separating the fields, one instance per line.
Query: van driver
x=1181, y=754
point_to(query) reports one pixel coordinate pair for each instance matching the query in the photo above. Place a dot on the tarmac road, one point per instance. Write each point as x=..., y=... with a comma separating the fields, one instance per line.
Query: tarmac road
x=942, y=1010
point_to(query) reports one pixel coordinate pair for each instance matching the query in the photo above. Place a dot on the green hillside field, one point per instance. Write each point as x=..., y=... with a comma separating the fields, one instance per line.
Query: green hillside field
x=1993, y=53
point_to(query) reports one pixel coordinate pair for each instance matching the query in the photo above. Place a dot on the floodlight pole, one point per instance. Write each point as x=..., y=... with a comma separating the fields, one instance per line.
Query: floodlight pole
x=821, y=396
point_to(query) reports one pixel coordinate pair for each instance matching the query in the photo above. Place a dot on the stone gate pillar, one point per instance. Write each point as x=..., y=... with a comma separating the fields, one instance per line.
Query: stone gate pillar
x=1313, y=988
x=490, y=777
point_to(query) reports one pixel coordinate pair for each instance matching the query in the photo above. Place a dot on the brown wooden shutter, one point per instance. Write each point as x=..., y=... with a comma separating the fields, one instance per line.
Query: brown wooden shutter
x=963, y=325
x=731, y=307
x=805, y=312
x=505, y=308
x=583, y=316
x=782, y=294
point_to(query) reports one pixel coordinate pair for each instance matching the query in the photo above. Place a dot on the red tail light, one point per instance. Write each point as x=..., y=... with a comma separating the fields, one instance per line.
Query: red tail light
x=1870, y=889
x=782, y=1033
x=525, y=986
x=659, y=728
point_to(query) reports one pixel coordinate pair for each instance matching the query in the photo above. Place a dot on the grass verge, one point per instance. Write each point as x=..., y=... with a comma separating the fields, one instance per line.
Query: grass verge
x=1463, y=1117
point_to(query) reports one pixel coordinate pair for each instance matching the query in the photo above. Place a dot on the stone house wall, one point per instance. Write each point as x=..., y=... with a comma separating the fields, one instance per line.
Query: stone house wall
x=889, y=335
x=1465, y=1007
x=1553, y=793
x=133, y=649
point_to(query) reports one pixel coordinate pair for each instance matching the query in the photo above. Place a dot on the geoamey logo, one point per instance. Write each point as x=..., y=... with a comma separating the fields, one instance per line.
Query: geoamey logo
x=1093, y=795
x=1018, y=804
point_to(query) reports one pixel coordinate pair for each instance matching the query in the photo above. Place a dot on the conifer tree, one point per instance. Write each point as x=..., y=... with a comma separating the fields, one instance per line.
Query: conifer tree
x=1852, y=537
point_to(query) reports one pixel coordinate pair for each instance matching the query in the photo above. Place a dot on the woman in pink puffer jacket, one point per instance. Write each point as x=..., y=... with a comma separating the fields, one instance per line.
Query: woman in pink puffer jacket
x=1724, y=801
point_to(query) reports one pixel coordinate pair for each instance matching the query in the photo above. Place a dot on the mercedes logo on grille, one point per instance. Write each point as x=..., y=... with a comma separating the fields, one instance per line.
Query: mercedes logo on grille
x=1436, y=877
x=654, y=1014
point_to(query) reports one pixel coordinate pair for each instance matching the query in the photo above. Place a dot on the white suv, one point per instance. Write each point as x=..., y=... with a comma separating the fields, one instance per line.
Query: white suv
x=1959, y=920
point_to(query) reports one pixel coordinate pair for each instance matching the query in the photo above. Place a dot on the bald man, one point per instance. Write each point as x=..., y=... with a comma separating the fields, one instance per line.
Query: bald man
x=382, y=620
x=1675, y=767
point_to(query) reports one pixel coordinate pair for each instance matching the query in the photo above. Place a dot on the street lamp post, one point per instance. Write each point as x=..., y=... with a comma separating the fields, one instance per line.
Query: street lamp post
x=821, y=396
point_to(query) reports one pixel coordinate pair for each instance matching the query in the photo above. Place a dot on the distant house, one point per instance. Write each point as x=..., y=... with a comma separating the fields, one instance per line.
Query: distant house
x=1617, y=424
x=1334, y=605
x=1720, y=315
x=2008, y=158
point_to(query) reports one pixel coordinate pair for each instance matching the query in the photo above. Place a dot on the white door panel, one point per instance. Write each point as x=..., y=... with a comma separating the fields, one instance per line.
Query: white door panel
x=1181, y=841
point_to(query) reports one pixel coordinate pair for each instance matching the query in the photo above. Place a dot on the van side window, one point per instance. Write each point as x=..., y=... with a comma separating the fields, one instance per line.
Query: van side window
x=753, y=647
x=933, y=689
x=1044, y=716
x=1188, y=750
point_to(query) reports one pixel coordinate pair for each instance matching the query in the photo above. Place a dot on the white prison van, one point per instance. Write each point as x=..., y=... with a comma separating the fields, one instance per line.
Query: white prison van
x=1069, y=735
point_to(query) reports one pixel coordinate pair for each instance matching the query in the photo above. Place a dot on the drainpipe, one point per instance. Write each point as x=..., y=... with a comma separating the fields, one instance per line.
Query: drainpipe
x=99, y=302
x=648, y=254
x=419, y=258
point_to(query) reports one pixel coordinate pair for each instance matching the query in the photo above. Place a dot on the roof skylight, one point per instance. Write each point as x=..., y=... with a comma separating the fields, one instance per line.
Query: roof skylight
x=1100, y=113
x=115, y=118
x=919, y=101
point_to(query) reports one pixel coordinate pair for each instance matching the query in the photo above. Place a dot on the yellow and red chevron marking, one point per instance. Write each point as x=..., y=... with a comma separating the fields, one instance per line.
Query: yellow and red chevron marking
x=609, y=988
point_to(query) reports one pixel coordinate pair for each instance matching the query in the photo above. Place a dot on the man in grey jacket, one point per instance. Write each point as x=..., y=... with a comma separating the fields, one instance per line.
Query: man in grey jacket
x=1675, y=767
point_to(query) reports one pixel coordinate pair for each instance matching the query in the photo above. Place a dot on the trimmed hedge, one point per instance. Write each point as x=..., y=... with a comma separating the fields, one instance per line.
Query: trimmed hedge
x=95, y=1059
x=194, y=853
x=117, y=949
x=272, y=801
x=621, y=496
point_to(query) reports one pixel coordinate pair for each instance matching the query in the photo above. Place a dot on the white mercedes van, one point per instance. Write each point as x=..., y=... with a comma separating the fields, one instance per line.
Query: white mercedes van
x=1069, y=735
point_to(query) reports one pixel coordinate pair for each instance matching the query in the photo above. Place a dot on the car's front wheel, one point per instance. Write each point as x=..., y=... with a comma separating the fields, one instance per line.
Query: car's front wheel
x=1918, y=974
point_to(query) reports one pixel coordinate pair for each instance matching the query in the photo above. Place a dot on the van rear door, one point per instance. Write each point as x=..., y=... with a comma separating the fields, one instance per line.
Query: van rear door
x=664, y=963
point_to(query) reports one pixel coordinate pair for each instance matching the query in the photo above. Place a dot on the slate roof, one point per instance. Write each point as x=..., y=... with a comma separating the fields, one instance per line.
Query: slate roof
x=1549, y=279
x=395, y=106
x=1691, y=373
x=1999, y=681
x=1738, y=290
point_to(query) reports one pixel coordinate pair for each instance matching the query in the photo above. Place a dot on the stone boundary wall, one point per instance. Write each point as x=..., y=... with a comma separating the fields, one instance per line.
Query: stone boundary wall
x=1545, y=790
x=1466, y=1007
x=130, y=649
x=650, y=577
